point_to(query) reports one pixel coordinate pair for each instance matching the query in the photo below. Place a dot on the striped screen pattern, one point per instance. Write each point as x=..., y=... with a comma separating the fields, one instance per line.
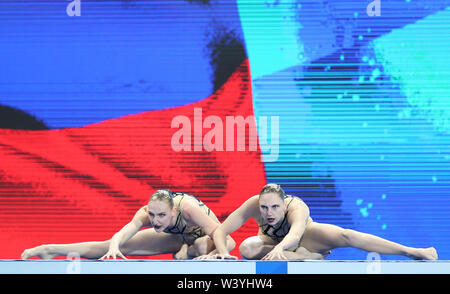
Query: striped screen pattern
x=361, y=104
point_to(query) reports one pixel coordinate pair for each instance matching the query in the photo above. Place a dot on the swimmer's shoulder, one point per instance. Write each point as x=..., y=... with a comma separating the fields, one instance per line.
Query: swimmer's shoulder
x=297, y=203
x=251, y=205
x=142, y=211
x=141, y=216
x=252, y=200
x=294, y=200
x=188, y=204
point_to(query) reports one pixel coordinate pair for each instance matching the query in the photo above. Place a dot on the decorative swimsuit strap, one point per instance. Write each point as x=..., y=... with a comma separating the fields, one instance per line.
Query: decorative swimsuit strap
x=200, y=203
x=179, y=222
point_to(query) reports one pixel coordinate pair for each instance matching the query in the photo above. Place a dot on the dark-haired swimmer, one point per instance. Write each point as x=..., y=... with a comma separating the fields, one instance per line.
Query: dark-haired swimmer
x=286, y=231
x=182, y=225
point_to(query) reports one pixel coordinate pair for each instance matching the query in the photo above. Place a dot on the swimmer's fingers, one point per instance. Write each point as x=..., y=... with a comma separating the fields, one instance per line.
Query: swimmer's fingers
x=106, y=256
x=112, y=254
x=275, y=255
x=226, y=256
x=121, y=255
x=204, y=257
x=268, y=256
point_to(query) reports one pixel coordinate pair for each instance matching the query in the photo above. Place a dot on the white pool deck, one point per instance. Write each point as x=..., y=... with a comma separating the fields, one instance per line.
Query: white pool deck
x=137, y=266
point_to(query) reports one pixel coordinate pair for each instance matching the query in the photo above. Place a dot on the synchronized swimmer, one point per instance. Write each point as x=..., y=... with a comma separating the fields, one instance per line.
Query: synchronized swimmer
x=286, y=231
x=184, y=226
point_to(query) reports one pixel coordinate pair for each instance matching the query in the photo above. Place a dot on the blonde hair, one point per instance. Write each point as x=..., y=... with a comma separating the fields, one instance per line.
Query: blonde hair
x=273, y=188
x=162, y=195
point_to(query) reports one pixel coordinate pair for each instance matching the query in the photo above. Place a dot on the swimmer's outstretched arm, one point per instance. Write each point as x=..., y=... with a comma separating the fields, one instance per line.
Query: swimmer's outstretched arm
x=202, y=246
x=233, y=222
x=125, y=234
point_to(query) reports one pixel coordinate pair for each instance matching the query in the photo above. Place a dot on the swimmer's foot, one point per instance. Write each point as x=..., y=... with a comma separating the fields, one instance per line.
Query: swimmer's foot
x=43, y=252
x=325, y=254
x=424, y=253
x=182, y=254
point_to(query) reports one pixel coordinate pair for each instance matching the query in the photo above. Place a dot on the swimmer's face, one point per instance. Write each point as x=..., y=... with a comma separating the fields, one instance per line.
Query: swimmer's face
x=160, y=214
x=272, y=208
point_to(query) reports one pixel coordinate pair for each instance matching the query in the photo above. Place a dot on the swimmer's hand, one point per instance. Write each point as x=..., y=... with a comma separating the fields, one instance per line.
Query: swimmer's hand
x=204, y=257
x=275, y=254
x=216, y=256
x=113, y=252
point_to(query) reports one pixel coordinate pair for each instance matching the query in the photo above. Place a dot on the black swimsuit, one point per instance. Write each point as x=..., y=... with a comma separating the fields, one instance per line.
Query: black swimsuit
x=189, y=233
x=280, y=231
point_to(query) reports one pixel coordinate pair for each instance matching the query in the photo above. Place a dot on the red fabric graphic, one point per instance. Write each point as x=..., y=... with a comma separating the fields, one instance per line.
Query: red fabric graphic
x=84, y=184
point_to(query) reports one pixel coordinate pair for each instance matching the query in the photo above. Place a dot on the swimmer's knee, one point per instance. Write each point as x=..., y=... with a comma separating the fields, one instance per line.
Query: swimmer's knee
x=244, y=251
x=248, y=250
x=201, y=246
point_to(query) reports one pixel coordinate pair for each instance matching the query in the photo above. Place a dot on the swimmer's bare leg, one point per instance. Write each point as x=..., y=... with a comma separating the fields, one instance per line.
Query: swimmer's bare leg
x=320, y=237
x=257, y=247
x=202, y=247
x=89, y=250
x=145, y=243
x=182, y=254
x=302, y=253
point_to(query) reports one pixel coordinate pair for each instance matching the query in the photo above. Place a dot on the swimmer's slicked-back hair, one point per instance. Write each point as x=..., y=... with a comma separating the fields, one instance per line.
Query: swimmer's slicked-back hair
x=162, y=195
x=273, y=188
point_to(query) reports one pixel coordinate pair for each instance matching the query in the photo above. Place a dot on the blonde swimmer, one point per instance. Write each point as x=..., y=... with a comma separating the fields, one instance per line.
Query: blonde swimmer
x=287, y=232
x=182, y=225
